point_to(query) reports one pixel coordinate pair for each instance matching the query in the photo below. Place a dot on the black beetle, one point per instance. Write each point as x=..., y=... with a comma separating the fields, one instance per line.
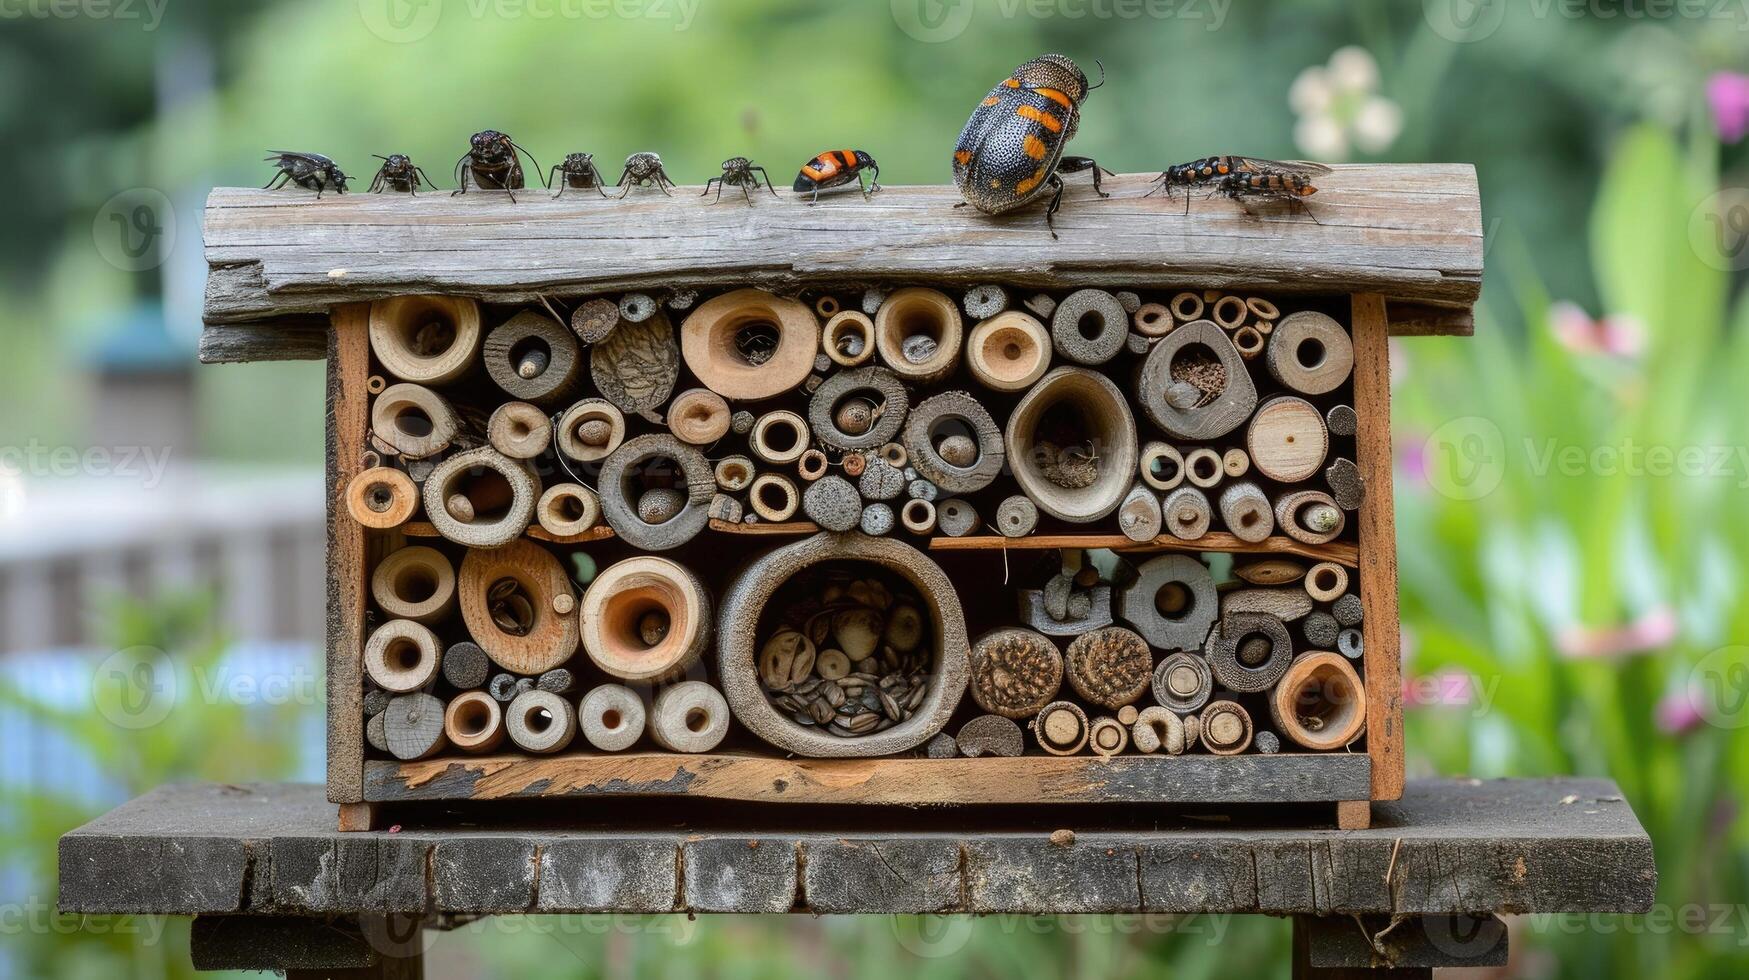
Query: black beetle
x=311, y=171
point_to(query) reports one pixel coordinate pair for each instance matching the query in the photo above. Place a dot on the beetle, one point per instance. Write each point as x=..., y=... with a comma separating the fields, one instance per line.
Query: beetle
x=578, y=171
x=1278, y=185
x=1011, y=151
x=835, y=168
x=311, y=171
x=399, y=173
x=743, y=173
x=1213, y=171
x=492, y=163
x=644, y=169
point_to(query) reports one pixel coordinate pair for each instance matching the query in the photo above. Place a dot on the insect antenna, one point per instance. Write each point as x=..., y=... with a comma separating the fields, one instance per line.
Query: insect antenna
x=546, y=180
x=1101, y=65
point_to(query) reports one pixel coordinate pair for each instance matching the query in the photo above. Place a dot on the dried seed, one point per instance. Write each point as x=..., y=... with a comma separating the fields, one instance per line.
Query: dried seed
x=890, y=707
x=832, y=664
x=820, y=711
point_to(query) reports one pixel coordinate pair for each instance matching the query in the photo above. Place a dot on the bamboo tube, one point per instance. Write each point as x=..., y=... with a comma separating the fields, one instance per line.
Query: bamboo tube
x=425, y=339
x=540, y=722
x=990, y=735
x=401, y=656
x=1080, y=468
x=519, y=430
x=1235, y=463
x=1182, y=683
x=591, y=430
x=1158, y=730
x=532, y=357
x=1320, y=704
x=481, y=498
x=779, y=438
x=1110, y=667
x=1187, y=513
x=381, y=498
x=1107, y=737
x=985, y=301
x=1326, y=581
x=734, y=473
x=622, y=492
x=1187, y=306
x=826, y=307
x=413, y=727
x=1203, y=468
x=956, y=518
x=413, y=420
x=1310, y=353
x=1287, y=439
x=774, y=497
x=376, y=384
x=698, y=417
x=919, y=333
x=848, y=339
x=1008, y=352
x=416, y=583
x=1248, y=652
x=1016, y=517
x=749, y=345
x=507, y=599
x=1246, y=512
x=1061, y=728
x=1139, y=516
x=1262, y=309
x=1225, y=727
x=1229, y=312
x=646, y=619
x=918, y=516
x=1162, y=466
x=1089, y=327
x=473, y=722
x=612, y=717
x=690, y=717
x=566, y=509
x=637, y=366
x=1309, y=516
x=1153, y=320
x=1248, y=341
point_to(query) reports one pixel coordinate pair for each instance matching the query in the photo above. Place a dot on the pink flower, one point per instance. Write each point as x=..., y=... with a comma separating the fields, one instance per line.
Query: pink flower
x=1652, y=631
x=1617, y=335
x=1676, y=713
x=1727, y=93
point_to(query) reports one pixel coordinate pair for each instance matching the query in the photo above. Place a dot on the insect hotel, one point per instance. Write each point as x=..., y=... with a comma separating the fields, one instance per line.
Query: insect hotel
x=876, y=502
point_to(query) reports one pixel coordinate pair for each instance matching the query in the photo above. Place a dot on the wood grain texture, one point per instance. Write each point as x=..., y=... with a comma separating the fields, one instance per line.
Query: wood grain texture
x=1337, y=551
x=1413, y=233
x=1377, y=527
x=348, y=405
x=1448, y=847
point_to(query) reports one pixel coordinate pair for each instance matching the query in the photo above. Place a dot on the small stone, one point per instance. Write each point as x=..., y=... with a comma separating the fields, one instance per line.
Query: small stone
x=660, y=505
x=942, y=746
x=1063, y=838
x=922, y=490
x=1348, y=610
x=881, y=480
x=855, y=417
x=594, y=432
x=833, y=503
x=958, y=450
x=742, y=422
x=877, y=520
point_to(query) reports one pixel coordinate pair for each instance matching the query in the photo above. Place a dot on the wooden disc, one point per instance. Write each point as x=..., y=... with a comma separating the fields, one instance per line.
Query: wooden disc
x=519, y=430
x=961, y=418
x=638, y=600
x=918, y=332
x=612, y=717
x=957, y=518
x=1287, y=439
x=413, y=420
x=402, y=656
x=637, y=366
x=749, y=345
x=848, y=338
x=550, y=638
x=1320, y=704
x=698, y=417
x=1236, y=462
x=474, y=722
x=532, y=357
x=500, y=494
x=382, y=497
x=1310, y=353
x=1016, y=517
x=413, y=727
x=425, y=339
x=1186, y=513
x=734, y=473
x=1061, y=728
x=567, y=509
x=591, y=430
x=416, y=583
x=1225, y=728
x=1107, y=737
x=540, y=722
x=690, y=717
x=1009, y=352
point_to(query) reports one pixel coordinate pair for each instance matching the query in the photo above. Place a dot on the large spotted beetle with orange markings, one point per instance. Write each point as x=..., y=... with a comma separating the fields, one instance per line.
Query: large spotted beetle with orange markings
x=1011, y=151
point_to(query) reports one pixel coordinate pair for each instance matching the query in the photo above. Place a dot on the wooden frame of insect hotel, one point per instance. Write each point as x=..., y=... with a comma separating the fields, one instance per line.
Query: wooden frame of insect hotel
x=873, y=502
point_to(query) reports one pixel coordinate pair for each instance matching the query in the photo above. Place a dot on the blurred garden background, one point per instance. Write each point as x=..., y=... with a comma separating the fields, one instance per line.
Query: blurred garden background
x=1573, y=517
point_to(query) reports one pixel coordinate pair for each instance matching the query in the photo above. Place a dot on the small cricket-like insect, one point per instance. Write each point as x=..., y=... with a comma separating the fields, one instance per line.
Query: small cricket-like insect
x=1269, y=185
x=492, y=163
x=643, y=170
x=578, y=171
x=1211, y=171
x=399, y=173
x=743, y=173
x=835, y=168
x=311, y=171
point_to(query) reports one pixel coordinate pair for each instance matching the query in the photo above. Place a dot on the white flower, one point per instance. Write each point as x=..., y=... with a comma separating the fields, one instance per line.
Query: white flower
x=1340, y=108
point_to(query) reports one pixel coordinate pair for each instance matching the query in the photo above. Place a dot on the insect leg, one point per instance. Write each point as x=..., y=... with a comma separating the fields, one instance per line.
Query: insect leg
x=876, y=189
x=1074, y=165
x=761, y=171
x=1056, y=182
x=707, y=188
x=281, y=177
x=744, y=192
x=622, y=183
x=598, y=180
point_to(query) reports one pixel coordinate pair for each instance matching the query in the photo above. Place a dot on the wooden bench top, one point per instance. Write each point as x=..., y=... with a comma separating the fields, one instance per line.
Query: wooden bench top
x=1448, y=847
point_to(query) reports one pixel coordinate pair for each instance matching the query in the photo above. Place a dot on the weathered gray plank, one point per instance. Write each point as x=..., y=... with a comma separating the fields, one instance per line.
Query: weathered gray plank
x=1561, y=845
x=277, y=943
x=1428, y=942
x=287, y=339
x=1413, y=233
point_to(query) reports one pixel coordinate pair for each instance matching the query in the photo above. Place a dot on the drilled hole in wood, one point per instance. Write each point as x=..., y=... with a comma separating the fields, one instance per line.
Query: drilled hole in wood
x=538, y=720
x=697, y=720
x=411, y=421
x=1310, y=353
x=1205, y=468
x=415, y=584
x=1173, y=600
x=611, y=719
x=472, y=718
x=756, y=341
x=1091, y=325
x=1164, y=468
x=490, y=496
x=1326, y=701
x=1324, y=579
x=530, y=356
x=379, y=498
x=402, y=655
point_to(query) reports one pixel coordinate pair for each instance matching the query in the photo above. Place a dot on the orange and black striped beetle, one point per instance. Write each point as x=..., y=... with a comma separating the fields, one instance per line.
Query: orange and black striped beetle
x=835, y=168
x=1011, y=151
x=1282, y=185
x=1215, y=170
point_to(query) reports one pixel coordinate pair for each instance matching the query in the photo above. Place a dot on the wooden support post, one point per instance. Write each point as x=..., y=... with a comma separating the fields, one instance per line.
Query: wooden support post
x=357, y=817
x=348, y=367
x=1378, y=541
x=1304, y=937
x=1354, y=815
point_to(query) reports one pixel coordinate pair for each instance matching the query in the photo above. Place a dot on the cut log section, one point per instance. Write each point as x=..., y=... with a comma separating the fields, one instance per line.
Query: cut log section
x=416, y=583
x=1248, y=652
x=1310, y=353
x=540, y=722
x=1225, y=728
x=474, y=722
x=508, y=599
x=1320, y=704
x=1072, y=445
x=637, y=366
x=1187, y=513
x=481, y=498
x=1139, y=516
x=1172, y=602
x=413, y=420
x=646, y=619
x=1229, y=312
x=382, y=497
x=1285, y=604
x=1287, y=439
x=648, y=464
x=1008, y=352
x=952, y=441
x=595, y=319
x=919, y=333
x=918, y=517
x=567, y=509
x=1182, y=683
x=1162, y=466
x=749, y=345
x=1061, y=728
x=591, y=430
x=402, y=656
x=1015, y=672
x=612, y=717
x=1310, y=517
x=533, y=358
x=1246, y=512
x=990, y=735
x=1194, y=384
x=849, y=338
x=698, y=417
x=779, y=438
x=1110, y=667
x=425, y=339
x=519, y=430
x=1089, y=327
x=413, y=727
x=858, y=409
x=691, y=717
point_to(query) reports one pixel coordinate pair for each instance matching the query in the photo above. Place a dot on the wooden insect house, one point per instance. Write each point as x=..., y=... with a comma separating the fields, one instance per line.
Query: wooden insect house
x=874, y=502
